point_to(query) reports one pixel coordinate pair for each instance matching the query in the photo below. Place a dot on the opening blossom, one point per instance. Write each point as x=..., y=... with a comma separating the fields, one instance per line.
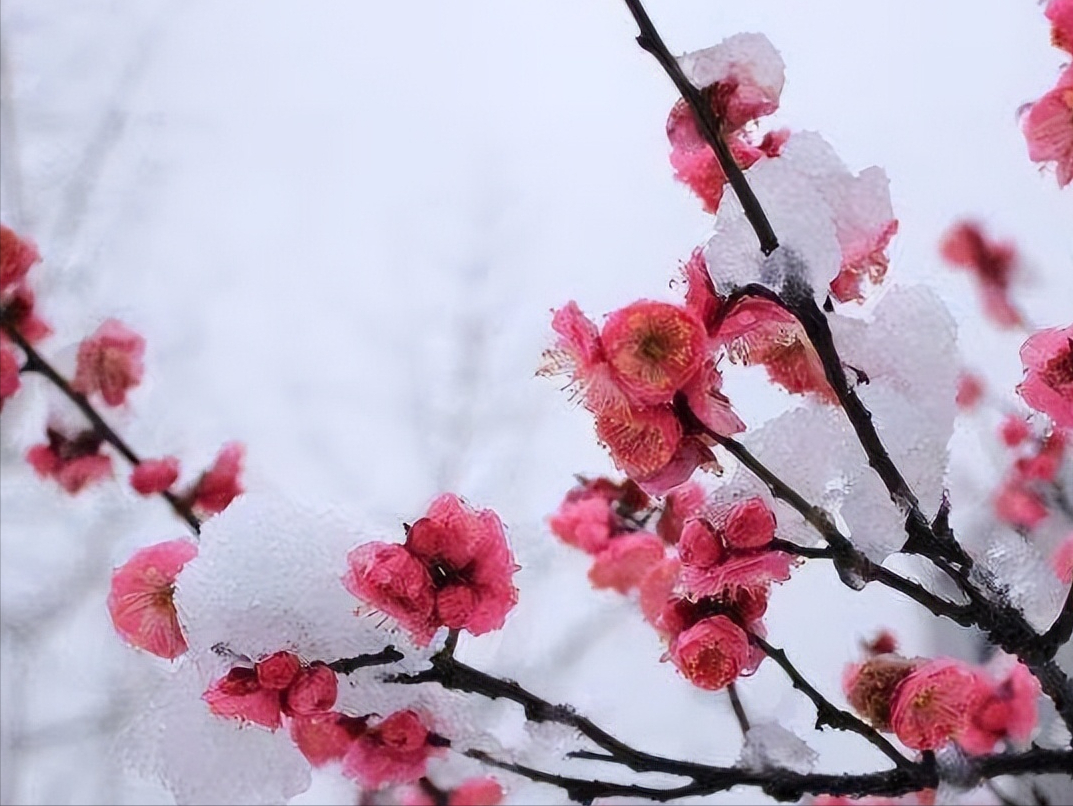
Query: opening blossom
x=72, y=462
x=1048, y=127
x=454, y=570
x=931, y=705
x=110, y=362
x=649, y=358
x=1004, y=710
x=1047, y=357
x=394, y=750
x=220, y=484
x=1060, y=13
x=141, y=601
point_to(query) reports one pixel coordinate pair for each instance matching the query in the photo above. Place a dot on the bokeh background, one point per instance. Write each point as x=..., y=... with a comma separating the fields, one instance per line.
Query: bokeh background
x=341, y=227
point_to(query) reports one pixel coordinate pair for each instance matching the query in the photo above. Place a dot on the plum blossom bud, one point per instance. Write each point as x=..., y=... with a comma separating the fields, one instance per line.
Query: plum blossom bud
x=278, y=670
x=712, y=653
x=993, y=265
x=931, y=705
x=584, y=522
x=151, y=476
x=869, y=686
x=750, y=524
x=17, y=255
x=326, y=737
x=110, y=362
x=240, y=695
x=141, y=600
x=1047, y=357
x=73, y=462
x=700, y=546
x=313, y=691
x=220, y=484
x=1014, y=430
x=393, y=751
x=970, y=391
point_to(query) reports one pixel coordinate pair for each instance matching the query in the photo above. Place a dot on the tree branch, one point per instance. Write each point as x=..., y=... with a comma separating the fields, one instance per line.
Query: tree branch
x=35, y=362
x=708, y=123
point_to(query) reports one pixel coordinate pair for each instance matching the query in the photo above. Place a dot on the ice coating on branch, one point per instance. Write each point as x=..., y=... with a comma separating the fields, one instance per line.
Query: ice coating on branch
x=769, y=746
x=876, y=526
x=1018, y=569
x=202, y=758
x=831, y=224
x=267, y=579
x=750, y=69
x=909, y=355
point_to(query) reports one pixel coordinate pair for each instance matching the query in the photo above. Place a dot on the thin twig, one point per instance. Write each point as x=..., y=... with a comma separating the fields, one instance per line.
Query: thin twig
x=710, y=126
x=35, y=362
x=739, y=709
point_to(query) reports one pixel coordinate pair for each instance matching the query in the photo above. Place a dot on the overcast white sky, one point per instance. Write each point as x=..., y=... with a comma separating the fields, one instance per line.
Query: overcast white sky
x=342, y=225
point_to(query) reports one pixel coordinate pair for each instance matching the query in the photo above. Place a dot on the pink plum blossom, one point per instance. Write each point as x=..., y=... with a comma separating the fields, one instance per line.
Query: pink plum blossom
x=21, y=312
x=141, y=600
x=110, y=362
x=278, y=670
x=1048, y=126
x=970, y=390
x=869, y=686
x=17, y=255
x=625, y=562
x=454, y=571
x=394, y=750
x=473, y=792
x=653, y=348
x=1060, y=13
x=312, y=691
x=713, y=568
x=993, y=265
x=1014, y=430
x=584, y=522
x=1047, y=357
x=712, y=653
x=1062, y=559
x=151, y=476
x=220, y=484
x=681, y=504
x=579, y=353
x=73, y=462
x=1003, y=710
x=641, y=443
x=931, y=705
x=240, y=695
x=326, y=737
x=9, y=373
x=759, y=332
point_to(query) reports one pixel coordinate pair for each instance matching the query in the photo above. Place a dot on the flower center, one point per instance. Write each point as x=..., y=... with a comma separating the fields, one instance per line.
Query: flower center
x=1058, y=372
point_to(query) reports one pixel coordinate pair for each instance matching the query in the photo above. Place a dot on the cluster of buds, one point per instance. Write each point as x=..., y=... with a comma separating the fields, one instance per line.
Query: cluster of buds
x=703, y=575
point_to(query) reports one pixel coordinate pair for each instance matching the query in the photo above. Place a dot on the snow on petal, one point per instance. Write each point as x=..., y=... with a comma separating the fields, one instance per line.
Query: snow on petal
x=750, y=72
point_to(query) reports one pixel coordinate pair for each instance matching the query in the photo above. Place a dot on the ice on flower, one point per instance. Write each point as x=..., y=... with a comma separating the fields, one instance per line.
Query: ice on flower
x=267, y=579
x=833, y=226
x=769, y=746
x=202, y=758
x=1018, y=569
x=749, y=66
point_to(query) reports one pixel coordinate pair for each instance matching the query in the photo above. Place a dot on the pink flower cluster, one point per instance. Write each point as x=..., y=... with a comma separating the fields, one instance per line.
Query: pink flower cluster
x=473, y=792
x=454, y=570
x=930, y=703
x=282, y=688
x=704, y=595
x=1048, y=123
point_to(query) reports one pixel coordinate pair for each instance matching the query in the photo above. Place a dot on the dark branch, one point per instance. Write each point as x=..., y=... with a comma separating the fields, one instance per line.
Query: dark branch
x=35, y=362
x=709, y=125
x=384, y=657
x=739, y=709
